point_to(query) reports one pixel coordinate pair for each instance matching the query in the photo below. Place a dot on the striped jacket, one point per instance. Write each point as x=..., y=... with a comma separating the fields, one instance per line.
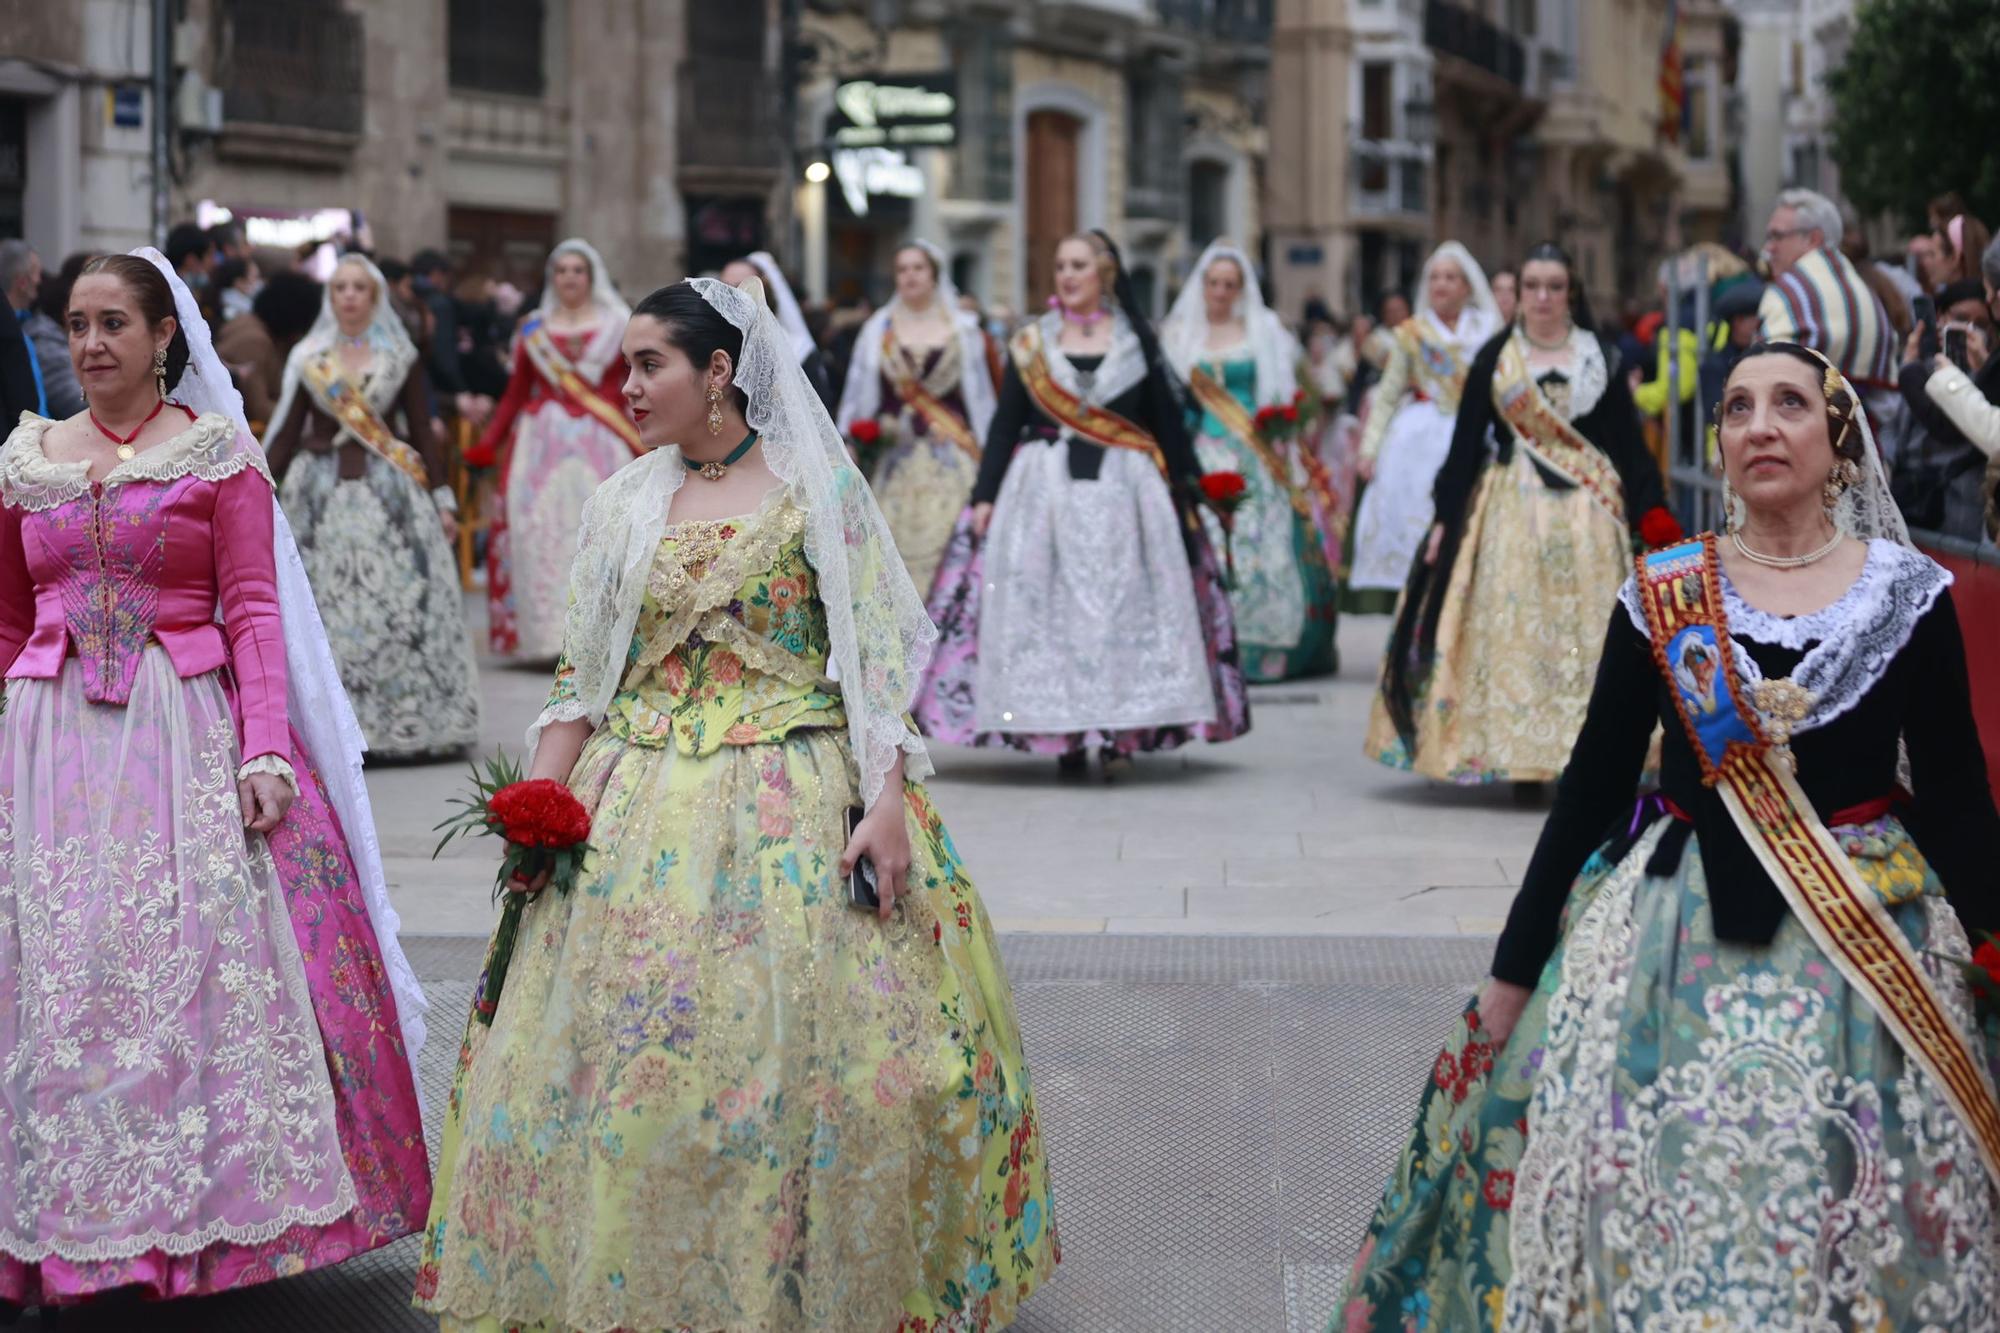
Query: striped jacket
x=1823, y=303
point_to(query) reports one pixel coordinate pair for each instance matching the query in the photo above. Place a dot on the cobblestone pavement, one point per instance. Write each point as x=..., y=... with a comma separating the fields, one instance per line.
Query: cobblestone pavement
x=1221, y=1113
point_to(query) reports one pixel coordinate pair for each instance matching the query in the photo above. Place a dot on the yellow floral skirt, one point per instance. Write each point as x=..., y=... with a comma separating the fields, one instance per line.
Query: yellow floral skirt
x=714, y=1096
x=1519, y=633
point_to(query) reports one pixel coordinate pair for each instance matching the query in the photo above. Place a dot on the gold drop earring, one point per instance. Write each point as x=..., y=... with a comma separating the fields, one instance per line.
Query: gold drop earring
x=714, y=410
x=160, y=370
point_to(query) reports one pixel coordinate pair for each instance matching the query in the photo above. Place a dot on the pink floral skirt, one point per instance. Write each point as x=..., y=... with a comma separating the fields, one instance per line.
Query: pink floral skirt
x=203, y=1083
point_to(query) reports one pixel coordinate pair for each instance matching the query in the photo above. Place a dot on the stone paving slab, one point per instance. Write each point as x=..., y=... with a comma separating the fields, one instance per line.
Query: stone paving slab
x=1221, y=1114
x=1290, y=830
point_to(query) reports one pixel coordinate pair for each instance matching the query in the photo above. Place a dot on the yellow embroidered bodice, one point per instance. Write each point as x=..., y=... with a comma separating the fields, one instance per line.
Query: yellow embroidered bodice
x=731, y=647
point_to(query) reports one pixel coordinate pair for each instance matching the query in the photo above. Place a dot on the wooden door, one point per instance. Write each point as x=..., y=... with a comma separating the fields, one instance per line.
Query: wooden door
x=505, y=246
x=1051, y=205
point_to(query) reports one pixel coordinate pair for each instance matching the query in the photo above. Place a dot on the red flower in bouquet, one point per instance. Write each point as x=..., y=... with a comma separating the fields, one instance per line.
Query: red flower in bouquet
x=1659, y=528
x=1290, y=413
x=1225, y=490
x=540, y=813
x=1987, y=959
x=547, y=832
x=866, y=431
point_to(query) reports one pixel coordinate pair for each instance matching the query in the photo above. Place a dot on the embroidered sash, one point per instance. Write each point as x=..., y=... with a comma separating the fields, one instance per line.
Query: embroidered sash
x=1437, y=371
x=1743, y=755
x=1549, y=438
x=562, y=373
x=940, y=419
x=1087, y=421
x=1225, y=407
x=347, y=404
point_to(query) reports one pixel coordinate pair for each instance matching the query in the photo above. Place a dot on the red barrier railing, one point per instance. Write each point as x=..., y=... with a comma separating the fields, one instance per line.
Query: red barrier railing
x=1975, y=593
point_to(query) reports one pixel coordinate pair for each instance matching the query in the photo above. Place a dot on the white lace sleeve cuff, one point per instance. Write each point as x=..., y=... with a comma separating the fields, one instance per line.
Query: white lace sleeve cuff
x=445, y=499
x=270, y=765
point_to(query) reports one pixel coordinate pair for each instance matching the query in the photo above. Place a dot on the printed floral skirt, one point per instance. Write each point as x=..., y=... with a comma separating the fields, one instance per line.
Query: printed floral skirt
x=1685, y=1133
x=1284, y=598
x=714, y=1096
x=1518, y=637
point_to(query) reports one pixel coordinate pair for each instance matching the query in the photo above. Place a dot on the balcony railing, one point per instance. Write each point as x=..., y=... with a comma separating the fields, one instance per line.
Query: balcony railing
x=1247, y=21
x=1454, y=30
x=729, y=116
x=297, y=66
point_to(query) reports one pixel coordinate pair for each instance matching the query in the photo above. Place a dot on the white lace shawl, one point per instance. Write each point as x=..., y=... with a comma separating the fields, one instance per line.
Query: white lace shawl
x=861, y=396
x=387, y=338
x=601, y=347
x=1849, y=644
x=1124, y=363
x=882, y=640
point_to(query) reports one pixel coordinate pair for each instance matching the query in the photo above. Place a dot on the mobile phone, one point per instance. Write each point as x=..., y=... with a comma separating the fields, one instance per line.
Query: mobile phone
x=862, y=894
x=1923, y=312
x=1954, y=347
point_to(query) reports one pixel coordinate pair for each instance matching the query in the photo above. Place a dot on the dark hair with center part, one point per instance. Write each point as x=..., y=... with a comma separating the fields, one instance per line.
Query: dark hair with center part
x=1579, y=302
x=1841, y=409
x=153, y=297
x=696, y=329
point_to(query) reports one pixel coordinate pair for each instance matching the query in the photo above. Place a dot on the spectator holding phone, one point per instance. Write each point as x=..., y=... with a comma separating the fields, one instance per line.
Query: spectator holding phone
x=1951, y=382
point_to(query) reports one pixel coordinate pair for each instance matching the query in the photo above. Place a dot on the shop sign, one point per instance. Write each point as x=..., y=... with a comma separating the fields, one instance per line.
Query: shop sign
x=875, y=171
x=895, y=111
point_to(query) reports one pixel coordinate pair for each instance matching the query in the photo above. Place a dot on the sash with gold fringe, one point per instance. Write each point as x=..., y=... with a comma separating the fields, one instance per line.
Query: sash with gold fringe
x=1551, y=439
x=940, y=419
x=1087, y=421
x=561, y=372
x=1225, y=407
x=349, y=406
x=1744, y=754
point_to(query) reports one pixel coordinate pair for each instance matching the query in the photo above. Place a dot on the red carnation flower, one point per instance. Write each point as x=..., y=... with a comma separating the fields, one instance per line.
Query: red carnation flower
x=1289, y=413
x=1987, y=958
x=1659, y=528
x=1224, y=488
x=540, y=813
x=866, y=431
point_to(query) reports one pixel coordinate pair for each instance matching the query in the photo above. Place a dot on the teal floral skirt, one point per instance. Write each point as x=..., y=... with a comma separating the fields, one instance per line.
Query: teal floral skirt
x=1689, y=1134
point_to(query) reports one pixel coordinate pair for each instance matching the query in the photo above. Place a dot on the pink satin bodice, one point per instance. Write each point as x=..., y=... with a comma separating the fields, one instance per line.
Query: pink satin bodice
x=128, y=562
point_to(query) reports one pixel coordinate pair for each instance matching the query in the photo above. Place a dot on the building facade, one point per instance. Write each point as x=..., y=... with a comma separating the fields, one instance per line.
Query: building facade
x=492, y=127
x=1143, y=117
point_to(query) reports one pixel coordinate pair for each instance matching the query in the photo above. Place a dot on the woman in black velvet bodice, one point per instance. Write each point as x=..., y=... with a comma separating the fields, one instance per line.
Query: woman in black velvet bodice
x=1922, y=697
x=1672, y=1100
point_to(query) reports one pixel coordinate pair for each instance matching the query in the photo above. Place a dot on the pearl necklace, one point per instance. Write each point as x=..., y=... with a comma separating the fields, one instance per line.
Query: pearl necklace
x=1559, y=345
x=1786, y=561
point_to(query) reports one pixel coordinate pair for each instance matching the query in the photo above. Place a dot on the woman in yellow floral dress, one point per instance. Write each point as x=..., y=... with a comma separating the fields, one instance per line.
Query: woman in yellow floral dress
x=714, y=1095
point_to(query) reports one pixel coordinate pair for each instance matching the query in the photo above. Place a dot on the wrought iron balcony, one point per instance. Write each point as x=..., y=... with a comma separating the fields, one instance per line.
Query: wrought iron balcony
x=291, y=66
x=1454, y=30
x=729, y=116
x=1246, y=21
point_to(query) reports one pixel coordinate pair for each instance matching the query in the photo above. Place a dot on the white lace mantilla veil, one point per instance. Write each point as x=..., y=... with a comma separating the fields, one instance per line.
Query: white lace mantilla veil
x=314, y=697
x=603, y=294
x=1184, y=332
x=1185, y=329
x=387, y=338
x=861, y=396
x=781, y=300
x=1481, y=298
x=882, y=639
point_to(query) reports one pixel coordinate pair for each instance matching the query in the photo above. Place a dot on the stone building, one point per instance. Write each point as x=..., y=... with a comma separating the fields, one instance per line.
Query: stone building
x=1497, y=123
x=1144, y=117
x=496, y=127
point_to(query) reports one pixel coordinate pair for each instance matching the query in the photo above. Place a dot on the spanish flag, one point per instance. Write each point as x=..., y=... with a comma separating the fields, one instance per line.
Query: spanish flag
x=1673, y=94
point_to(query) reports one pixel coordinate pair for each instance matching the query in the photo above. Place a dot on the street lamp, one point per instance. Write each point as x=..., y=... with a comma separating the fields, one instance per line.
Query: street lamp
x=817, y=172
x=1420, y=120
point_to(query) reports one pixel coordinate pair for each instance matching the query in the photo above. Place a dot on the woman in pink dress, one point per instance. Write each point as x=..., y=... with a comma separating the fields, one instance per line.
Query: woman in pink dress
x=207, y=1026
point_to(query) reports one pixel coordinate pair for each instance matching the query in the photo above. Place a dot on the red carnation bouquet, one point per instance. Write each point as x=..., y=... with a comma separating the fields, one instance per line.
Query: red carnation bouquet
x=547, y=831
x=1226, y=491
x=1659, y=528
x=864, y=439
x=1981, y=972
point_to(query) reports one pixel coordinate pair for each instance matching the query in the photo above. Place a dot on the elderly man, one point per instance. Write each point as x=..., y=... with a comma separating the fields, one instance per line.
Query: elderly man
x=1817, y=298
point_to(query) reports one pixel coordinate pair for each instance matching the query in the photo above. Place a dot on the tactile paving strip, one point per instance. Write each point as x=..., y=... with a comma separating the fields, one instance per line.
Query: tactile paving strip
x=1221, y=1113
